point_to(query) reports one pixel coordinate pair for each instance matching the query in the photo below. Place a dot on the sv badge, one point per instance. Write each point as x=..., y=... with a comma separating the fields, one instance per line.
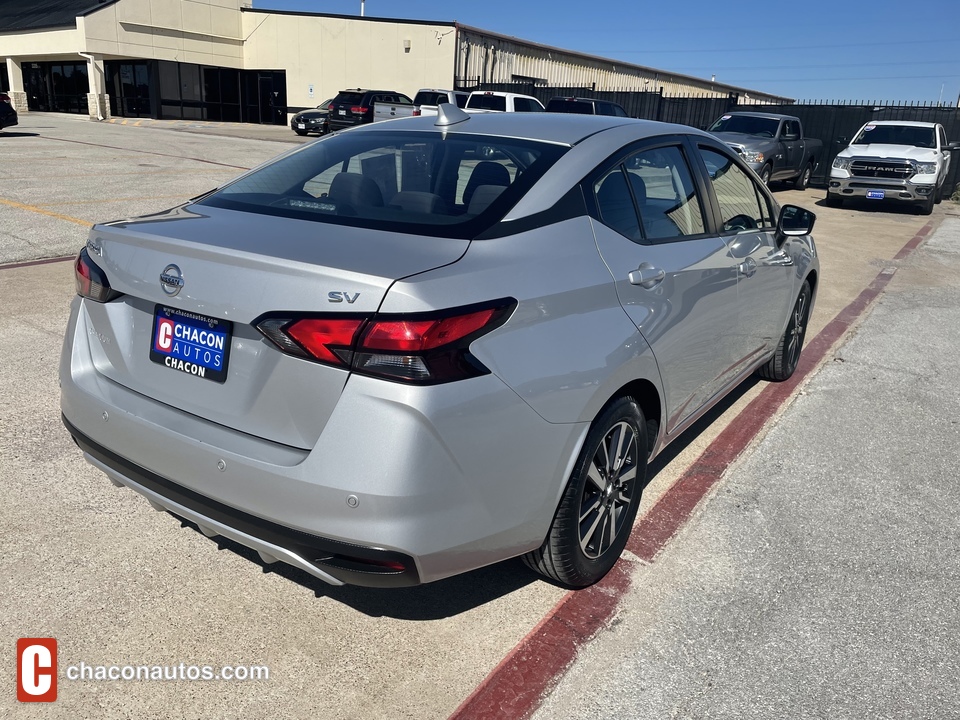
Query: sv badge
x=338, y=297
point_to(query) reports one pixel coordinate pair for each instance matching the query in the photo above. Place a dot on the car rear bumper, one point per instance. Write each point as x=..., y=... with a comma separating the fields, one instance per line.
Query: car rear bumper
x=405, y=485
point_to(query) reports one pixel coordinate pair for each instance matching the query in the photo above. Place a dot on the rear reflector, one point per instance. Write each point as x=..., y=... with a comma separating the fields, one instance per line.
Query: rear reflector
x=425, y=348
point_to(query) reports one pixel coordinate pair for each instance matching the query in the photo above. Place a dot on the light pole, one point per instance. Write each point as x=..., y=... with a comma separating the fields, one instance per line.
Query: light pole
x=361, y=7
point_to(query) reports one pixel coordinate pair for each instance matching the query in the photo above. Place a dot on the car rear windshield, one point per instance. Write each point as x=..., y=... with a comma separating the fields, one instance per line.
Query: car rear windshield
x=578, y=107
x=430, y=98
x=746, y=124
x=349, y=98
x=487, y=102
x=897, y=135
x=425, y=183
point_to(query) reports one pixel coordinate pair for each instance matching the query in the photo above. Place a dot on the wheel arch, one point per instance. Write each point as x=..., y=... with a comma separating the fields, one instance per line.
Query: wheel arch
x=647, y=397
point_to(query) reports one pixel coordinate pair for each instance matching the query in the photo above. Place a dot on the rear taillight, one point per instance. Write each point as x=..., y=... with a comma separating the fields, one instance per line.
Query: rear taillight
x=92, y=282
x=424, y=348
x=358, y=110
x=416, y=112
x=4, y=98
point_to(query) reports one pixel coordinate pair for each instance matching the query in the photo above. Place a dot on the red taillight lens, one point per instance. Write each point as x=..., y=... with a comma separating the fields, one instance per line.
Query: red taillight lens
x=416, y=112
x=358, y=110
x=417, y=336
x=328, y=340
x=423, y=349
x=92, y=282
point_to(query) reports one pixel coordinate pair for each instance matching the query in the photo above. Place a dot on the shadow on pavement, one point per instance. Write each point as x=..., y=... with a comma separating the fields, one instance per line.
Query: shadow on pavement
x=433, y=601
x=8, y=134
x=874, y=206
x=459, y=594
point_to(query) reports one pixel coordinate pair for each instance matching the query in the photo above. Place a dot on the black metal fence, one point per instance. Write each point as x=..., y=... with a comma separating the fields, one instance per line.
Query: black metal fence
x=834, y=124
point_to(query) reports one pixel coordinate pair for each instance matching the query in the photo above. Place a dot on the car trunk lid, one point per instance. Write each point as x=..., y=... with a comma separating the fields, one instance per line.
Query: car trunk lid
x=232, y=268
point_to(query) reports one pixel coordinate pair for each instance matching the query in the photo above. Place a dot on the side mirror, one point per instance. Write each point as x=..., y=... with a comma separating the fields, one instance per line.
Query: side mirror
x=795, y=221
x=791, y=136
x=953, y=146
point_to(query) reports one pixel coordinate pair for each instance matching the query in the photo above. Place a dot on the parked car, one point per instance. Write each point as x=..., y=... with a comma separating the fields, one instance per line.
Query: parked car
x=355, y=107
x=490, y=101
x=772, y=144
x=585, y=106
x=438, y=361
x=429, y=99
x=312, y=121
x=8, y=114
x=893, y=160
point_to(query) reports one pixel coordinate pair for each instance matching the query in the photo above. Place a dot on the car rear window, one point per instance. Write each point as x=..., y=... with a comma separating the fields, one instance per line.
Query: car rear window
x=430, y=98
x=487, y=102
x=348, y=98
x=417, y=182
x=577, y=107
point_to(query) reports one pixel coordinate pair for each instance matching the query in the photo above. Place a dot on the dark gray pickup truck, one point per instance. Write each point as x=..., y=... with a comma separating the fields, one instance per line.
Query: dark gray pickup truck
x=773, y=145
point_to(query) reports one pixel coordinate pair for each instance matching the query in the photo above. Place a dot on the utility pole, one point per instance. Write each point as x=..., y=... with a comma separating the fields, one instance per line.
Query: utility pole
x=361, y=7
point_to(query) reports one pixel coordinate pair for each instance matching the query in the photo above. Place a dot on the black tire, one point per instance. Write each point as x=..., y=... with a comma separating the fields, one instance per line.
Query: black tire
x=833, y=200
x=784, y=361
x=579, y=549
x=938, y=198
x=803, y=179
x=926, y=206
x=765, y=172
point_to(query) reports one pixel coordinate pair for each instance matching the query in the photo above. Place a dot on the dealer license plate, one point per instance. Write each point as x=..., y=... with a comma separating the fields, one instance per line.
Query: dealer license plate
x=875, y=194
x=190, y=343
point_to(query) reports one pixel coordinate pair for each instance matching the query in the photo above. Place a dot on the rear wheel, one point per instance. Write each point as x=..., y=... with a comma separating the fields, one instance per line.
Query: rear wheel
x=784, y=361
x=803, y=179
x=596, y=514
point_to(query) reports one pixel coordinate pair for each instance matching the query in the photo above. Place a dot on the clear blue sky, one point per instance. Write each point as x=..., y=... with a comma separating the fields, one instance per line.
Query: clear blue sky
x=839, y=50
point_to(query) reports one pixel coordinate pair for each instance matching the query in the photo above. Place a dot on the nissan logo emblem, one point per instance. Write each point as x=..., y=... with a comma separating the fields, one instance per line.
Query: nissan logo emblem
x=171, y=280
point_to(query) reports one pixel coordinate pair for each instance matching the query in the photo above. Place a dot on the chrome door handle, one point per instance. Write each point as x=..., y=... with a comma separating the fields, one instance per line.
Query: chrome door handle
x=646, y=276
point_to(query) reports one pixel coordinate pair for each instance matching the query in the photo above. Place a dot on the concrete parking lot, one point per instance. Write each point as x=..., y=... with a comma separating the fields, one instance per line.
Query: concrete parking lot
x=117, y=583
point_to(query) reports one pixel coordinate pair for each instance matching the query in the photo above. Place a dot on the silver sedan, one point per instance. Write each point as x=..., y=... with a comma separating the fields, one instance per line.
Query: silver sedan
x=427, y=345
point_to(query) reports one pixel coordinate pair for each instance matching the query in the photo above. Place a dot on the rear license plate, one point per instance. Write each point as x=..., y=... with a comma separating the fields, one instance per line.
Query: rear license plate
x=301, y=126
x=191, y=343
x=342, y=112
x=875, y=194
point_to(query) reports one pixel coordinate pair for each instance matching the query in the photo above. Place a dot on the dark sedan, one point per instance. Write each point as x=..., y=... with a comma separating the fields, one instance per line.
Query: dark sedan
x=8, y=114
x=312, y=121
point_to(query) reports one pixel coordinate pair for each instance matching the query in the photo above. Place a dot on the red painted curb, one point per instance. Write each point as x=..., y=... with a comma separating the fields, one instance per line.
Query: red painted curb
x=515, y=688
x=31, y=263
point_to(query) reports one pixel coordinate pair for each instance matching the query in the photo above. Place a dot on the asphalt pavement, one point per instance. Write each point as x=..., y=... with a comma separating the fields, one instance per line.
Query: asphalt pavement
x=820, y=580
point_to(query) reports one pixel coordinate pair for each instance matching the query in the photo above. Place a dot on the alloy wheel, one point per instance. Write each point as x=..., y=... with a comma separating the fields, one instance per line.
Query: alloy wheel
x=611, y=483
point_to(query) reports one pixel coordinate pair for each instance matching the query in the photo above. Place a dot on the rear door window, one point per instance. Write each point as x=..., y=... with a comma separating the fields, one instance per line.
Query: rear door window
x=487, y=102
x=651, y=197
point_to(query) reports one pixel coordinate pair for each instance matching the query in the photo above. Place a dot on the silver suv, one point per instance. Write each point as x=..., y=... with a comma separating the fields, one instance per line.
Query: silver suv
x=413, y=349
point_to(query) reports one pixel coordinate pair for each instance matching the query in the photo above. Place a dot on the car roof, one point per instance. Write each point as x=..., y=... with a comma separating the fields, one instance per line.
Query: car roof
x=755, y=113
x=909, y=123
x=546, y=127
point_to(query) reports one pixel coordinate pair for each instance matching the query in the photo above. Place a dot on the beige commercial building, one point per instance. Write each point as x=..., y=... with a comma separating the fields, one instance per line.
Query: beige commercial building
x=225, y=60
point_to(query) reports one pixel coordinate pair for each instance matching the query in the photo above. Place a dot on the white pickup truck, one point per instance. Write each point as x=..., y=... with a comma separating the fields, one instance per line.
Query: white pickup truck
x=893, y=160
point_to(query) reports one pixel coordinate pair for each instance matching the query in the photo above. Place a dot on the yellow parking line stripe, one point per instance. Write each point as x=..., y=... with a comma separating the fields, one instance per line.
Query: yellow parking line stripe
x=41, y=211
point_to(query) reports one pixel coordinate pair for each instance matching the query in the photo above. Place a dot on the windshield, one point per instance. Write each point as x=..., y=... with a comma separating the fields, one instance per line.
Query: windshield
x=424, y=182
x=896, y=135
x=747, y=125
